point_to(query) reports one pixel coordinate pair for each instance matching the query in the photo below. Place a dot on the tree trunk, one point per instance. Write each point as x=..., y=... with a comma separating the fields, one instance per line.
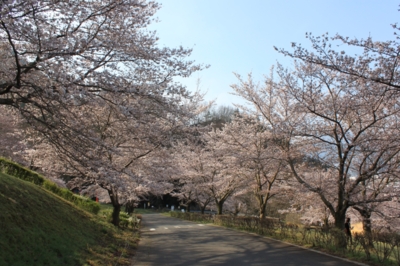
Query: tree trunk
x=367, y=224
x=263, y=199
x=130, y=207
x=116, y=205
x=340, y=219
x=187, y=204
x=263, y=210
x=367, y=228
x=325, y=220
x=237, y=209
x=115, y=214
x=366, y=215
x=219, y=204
x=203, y=205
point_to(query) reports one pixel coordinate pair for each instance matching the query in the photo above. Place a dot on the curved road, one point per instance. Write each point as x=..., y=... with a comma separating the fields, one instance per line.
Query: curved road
x=171, y=241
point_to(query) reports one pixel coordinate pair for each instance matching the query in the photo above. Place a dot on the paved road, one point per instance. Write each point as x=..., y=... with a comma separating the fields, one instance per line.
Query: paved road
x=171, y=241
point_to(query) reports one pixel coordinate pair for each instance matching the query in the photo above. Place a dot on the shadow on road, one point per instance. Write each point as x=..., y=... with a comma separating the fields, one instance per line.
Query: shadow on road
x=170, y=241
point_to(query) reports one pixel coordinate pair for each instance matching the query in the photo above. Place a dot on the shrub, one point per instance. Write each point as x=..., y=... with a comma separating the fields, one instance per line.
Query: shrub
x=16, y=170
x=265, y=226
x=125, y=220
x=192, y=216
x=86, y=204
x=50, y=186
x=383, y=245
x=338, y=237
x=378, y=247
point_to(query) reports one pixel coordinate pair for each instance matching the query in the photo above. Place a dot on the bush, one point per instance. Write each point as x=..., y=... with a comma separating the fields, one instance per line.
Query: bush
x=192, y=216
x=86, y=204
x=378, y=247
x=50, y=186
x=16, y=170
x=264, y=226
x=125, y=220
x=82, y=202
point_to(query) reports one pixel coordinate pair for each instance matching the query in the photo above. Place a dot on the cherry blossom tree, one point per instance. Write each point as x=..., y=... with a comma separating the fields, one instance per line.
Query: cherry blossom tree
x=208, y=170
x=378, y=61
x=375, y=71
x=62, y=55
x=259, y=162
x=387, y=215
x=220, y=171
x=132, y=158
x=10, y=134
x=94, y=82
x=191, y=185
x=377, y=64
x=346, y=124
x=186, y=193
x=306, y=204
x=374, y=194
x=203, y=199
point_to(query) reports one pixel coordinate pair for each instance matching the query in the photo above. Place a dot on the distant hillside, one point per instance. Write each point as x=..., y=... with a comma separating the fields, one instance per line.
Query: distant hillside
x=40, y=228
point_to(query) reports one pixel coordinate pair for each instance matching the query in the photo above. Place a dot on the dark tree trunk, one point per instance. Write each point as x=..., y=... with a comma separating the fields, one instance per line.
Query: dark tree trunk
x=263, y=199
x=204, y=205
x=367, y=224
x=116, y=205
x=188, y=208
x=220, y=204
x=130, y=207
x=340, y=219
x=263, y=210
x=367, y=228
x=115, y=214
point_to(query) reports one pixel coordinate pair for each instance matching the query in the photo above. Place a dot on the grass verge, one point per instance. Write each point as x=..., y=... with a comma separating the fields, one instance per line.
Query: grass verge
x=385, y=250
x=41, y=228
x=11, y=168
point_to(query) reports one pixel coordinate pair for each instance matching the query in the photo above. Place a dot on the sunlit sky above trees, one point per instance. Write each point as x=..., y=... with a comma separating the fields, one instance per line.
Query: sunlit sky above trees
x=238, y=36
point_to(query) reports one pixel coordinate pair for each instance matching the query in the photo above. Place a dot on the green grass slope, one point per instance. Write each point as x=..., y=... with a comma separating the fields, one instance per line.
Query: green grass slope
x=40, y=228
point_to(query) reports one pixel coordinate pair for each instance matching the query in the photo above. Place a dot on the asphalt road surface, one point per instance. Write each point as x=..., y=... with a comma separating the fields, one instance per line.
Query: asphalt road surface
x=171, y=241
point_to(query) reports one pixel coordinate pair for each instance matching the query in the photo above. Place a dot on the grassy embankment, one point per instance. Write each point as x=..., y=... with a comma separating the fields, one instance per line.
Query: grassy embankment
x=38, y=227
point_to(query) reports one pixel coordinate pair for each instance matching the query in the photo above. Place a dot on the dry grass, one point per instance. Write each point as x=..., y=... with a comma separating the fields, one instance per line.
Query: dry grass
x=357, y=228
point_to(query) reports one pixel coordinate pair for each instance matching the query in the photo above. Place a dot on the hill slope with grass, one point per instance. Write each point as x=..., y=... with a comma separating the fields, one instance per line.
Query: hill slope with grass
x=38, y=227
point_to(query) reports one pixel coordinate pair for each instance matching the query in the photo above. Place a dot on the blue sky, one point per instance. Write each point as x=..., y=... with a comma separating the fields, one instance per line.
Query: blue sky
x=238, y=36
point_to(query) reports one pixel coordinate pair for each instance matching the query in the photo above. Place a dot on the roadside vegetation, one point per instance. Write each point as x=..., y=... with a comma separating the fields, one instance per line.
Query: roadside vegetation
x=375, y=249
x=41, y=228
x=107, y=109
x=79, y=101
x=16, y=170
